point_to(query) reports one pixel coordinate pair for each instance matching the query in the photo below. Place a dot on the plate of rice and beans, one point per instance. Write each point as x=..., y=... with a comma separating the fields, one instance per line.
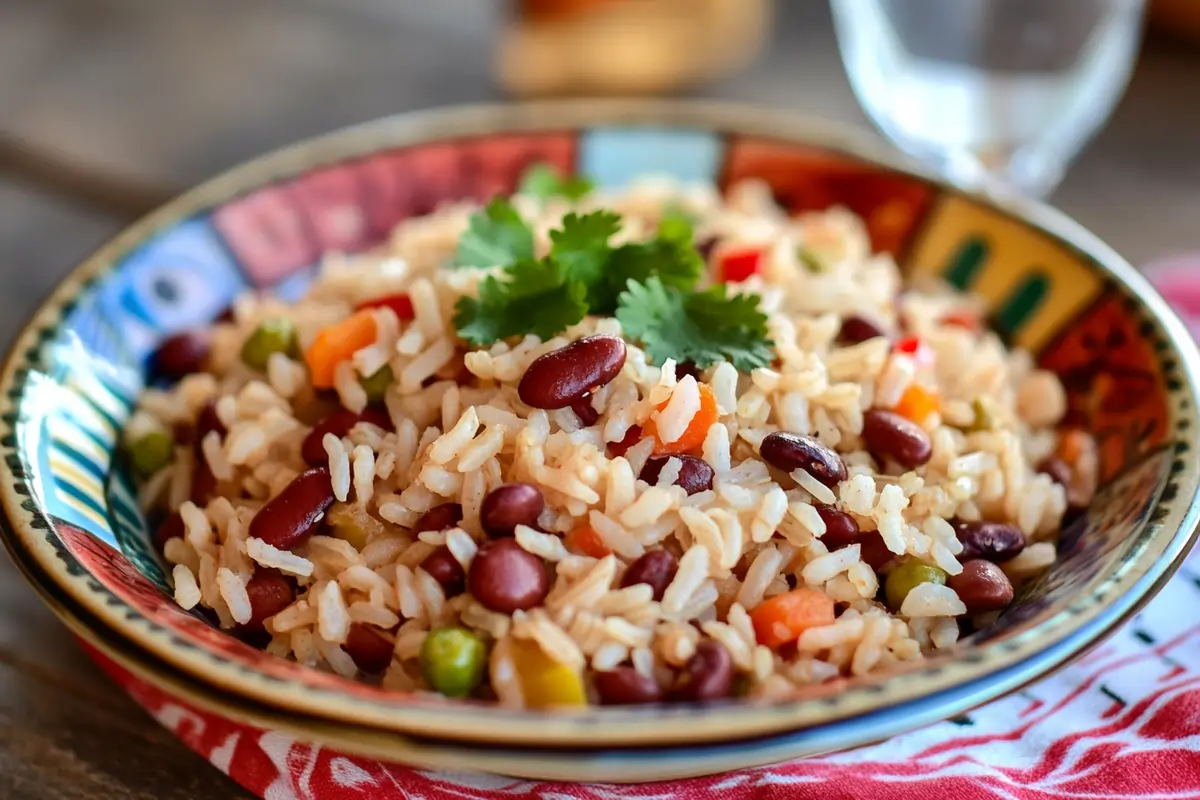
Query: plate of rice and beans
x=549, y=435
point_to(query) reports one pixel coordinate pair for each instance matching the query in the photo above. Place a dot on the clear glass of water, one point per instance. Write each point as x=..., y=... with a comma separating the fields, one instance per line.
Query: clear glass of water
x=994, y=93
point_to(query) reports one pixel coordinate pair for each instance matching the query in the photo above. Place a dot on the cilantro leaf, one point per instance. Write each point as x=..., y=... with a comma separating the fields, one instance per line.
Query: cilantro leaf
x=703, y=327
x=543, y=182
x=496, y=236
x=581, y=245
x=671, y=256
x=535, y=297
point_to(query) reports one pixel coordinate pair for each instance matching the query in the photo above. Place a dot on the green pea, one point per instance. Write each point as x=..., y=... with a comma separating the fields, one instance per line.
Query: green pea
x=453, y=660
x=376, y=385
x=271, y=336
x=151, y=451
x=906, y=576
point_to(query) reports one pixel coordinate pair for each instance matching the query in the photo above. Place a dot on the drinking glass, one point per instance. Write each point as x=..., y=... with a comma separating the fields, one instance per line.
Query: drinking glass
x=998, y=94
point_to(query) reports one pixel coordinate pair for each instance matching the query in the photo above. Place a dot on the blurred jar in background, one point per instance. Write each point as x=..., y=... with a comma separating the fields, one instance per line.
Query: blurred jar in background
x=555, y=47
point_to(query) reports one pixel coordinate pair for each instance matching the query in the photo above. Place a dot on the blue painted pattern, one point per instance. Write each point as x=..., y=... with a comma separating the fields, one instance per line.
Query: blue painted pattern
x=612, y=157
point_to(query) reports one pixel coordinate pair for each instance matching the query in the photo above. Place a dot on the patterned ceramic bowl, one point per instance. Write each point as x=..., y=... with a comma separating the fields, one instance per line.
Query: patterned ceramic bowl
x=1130, y=369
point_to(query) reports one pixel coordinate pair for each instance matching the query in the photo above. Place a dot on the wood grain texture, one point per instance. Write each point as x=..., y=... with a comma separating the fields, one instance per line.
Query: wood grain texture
x=167, y=92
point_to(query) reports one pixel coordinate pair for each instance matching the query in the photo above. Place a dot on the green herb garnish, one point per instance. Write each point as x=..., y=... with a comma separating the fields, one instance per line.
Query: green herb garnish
x=536, y=297
x=544, y=182
x=702, y=327
x=495, y=237
x=647, y=285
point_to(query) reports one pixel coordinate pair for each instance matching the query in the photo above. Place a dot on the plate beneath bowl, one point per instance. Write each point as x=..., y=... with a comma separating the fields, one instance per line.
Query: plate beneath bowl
x=1129, y=367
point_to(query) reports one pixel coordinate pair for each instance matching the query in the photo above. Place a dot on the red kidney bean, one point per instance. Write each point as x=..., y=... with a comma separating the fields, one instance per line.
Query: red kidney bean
x=625, y=686
x=439, y=518
x=791, y=451
x=510, y=505
x=708, y=674
x=370, y=648
x=269, y=592
x=840, y=528
x=687, y=368
x=558, y=379
x=889, y=435
x=982, y=586
x=204, y=483
x=1057, y=469
x=504, y=578
x=171, y=528
x=207, y=421
x=181, y=355
x=586, y=414
x=288, y=519
x=339, y=424
x=873, y=552
x=632, y=437
x=857, y=328
x=992, y=541
x=444, y=568
x=656, y=568
x=695, y=475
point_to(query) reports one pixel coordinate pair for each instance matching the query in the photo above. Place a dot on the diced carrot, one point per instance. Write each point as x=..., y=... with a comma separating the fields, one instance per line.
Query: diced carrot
x=400, y=303
x=740, y=264
x=697, y=429
x=584, y=539
x=337, y=343
x=1071, y=445
x=916, y=403
x=785, y=616
x=962, y=319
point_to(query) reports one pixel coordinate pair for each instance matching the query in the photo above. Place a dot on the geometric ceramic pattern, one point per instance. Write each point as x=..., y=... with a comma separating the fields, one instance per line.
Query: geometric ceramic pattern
x=1129, y=368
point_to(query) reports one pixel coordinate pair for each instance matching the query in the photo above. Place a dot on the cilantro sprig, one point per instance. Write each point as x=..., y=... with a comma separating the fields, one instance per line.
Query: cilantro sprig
x=648, y=286
x=702, y=327
x=544, y=182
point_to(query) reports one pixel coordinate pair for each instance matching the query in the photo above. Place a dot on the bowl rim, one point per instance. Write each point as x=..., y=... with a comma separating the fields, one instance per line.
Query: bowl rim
x=1105, y=598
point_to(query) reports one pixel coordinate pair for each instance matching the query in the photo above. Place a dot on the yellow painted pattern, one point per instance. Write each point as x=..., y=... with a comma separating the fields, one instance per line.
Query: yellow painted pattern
x=1014, y=253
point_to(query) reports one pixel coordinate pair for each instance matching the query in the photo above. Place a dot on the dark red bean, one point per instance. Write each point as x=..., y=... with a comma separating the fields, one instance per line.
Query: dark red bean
x=181, y=355
x=204, y=483
x=208, y=421
x=625, y=686
x=269, y=592
x=891, y=436
x=510, y=505
x=687, y=368
x=439, y=518
x=656, y=568
x=444, y=568
x=504, y=578
x=370, y=648
x=1057, y=469
x=695, y=475
x=584, y=411
x=558, y=379
x=992, y=541
x=708, y=674
x=791, y=451
x=982, y=586
x=339, y=424
x=873, y=552
x=171, y=528
x=857, y=328
x=840, y=528
x=632, y=437
x=288, y=519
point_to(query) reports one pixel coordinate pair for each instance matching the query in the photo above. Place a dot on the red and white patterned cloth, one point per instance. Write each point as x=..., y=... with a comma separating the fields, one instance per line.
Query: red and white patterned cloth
x=1122, y=723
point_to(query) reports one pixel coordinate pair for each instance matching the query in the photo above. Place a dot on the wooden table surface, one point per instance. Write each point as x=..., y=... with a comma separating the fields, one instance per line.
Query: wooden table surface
x=157, y=94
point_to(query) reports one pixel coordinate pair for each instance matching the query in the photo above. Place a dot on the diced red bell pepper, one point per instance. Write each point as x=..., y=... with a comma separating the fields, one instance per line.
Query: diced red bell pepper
x=400, y=303
x=921, y=353
x=739, y=265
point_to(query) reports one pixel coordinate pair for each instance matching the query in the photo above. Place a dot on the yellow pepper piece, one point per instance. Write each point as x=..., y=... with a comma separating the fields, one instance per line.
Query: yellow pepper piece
x=545, y=682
